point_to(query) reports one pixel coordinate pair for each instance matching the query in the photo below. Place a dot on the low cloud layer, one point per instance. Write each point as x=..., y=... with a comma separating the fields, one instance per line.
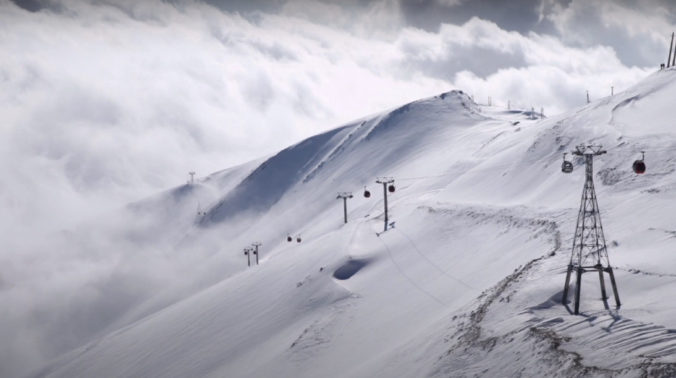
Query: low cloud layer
x=106, y=102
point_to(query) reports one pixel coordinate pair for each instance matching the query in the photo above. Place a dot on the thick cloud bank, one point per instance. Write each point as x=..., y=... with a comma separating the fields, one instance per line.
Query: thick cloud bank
x=106, y=102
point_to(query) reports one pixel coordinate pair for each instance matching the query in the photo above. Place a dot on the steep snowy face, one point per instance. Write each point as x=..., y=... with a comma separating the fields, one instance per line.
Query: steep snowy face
x=466, y=281
x=271, y=180
x=361, y=150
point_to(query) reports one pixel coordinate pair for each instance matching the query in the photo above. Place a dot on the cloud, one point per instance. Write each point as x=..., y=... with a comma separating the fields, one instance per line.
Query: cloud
x=102, y=104
x=203, y=85
x=528, y=70
x=636, y=29
x=449, y=3
x=377, y=18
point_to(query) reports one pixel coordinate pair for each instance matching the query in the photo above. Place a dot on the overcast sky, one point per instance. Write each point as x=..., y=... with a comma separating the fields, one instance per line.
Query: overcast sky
x=106, y=102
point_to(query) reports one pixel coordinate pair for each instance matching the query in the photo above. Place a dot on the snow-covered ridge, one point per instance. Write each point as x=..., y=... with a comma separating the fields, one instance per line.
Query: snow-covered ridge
x=467, y=282
x=302, y=162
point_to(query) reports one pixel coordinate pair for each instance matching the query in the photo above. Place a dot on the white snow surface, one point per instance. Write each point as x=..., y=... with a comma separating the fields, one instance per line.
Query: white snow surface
x=468, y=280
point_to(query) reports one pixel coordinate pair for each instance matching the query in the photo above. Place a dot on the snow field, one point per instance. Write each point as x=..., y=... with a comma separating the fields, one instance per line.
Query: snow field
x=468, y=282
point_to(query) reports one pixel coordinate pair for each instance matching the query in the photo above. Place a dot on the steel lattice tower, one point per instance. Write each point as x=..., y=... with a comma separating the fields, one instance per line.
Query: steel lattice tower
x=589, y=245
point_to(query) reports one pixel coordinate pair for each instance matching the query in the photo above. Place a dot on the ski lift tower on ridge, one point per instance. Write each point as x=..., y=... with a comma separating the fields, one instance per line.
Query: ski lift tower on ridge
x=589, y=244
x=254, y=247
x=344, y=196
x=388, y=185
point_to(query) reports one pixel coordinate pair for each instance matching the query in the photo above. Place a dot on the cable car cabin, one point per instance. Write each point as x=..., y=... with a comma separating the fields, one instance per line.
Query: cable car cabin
x=566, y=167
x=639, y=167
x=289, y=238
x=391, y=188
x=367, y=194
x=298, y=239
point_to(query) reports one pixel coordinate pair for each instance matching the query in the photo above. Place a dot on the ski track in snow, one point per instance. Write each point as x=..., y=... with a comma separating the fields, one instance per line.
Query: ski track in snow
x=432, y=263
x=403, y=273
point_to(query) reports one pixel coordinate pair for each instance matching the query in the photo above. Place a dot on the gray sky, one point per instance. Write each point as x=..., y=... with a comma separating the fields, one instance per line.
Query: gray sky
x=579, y=23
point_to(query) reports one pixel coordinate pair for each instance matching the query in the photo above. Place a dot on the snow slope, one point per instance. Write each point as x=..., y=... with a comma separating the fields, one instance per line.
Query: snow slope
x=468, y=280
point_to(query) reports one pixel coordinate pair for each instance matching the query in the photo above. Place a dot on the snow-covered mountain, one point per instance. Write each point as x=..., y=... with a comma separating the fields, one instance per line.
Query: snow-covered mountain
x=466, y=282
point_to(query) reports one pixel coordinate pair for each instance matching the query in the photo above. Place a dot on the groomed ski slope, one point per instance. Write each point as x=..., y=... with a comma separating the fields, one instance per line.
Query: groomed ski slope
x=468, y=280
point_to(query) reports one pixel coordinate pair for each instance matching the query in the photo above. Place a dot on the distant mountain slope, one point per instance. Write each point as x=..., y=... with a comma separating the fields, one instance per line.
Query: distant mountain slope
x=467, y=281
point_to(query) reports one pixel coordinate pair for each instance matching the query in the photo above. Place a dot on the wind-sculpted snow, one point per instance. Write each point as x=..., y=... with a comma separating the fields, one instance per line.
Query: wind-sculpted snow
x=466, y=281
x=454, y=104
x=350, y=268
x=299, y=164
x=270, y=181
x=542, y=339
